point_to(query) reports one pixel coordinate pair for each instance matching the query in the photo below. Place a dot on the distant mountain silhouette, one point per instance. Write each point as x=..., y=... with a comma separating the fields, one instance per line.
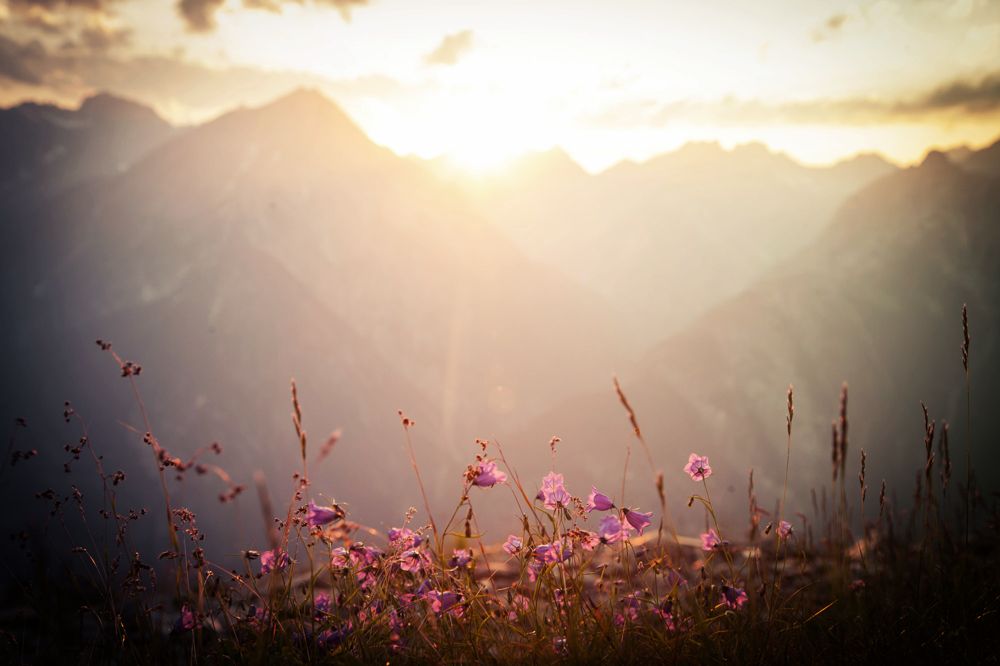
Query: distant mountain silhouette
x=50, y=148
x=874, y=300
x=668, y=238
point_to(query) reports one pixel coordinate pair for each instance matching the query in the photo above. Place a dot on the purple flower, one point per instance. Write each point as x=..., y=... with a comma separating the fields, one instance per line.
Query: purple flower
x=412, y=560
x=550, y=553
x=404, y=538
x=460, y=557
x=698, y=468
x=443, y=602
x=734, y=597
x=513, y=545
x=784, y=529
x=486, y=474
x=588, y=540
x=553, y=492
x=598, y=500
x=317, y=516
x=273, y=560
x=611, y=529
x=322, y=602
x=330, y=638
x=186, y=620
x=339, y=558
x=711, y=541
x=638, y=520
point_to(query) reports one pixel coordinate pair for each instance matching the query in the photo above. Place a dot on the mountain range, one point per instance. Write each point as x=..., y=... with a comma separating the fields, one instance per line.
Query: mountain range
x=280, y=241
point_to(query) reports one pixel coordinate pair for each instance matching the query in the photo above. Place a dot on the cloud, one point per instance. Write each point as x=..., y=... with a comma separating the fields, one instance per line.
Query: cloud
x=101, y=36
x=830, y=28
x=199, y=15
x=18, y=61
x=451, y=49
x=959, y=97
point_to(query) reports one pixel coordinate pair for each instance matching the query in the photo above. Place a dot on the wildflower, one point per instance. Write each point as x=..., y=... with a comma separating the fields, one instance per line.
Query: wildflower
x=588, y=540
x=331, y=638
x=733, y=597
x=461, y=557
x=553, y=492
x=612, y=529
x=322, y=602
x=363, y=556
x=698, y=468
x=711, y=541
x=185, y=622
x=404, y=538
x=339, y=558
x=273, y=560
x=443, y=602
x=412, y=560
x=513, y=545
x=317, y=516
x=784, y=529
x=557, y=551
x=638, y=520
x=598, y=500
x=518, y=604
x=486, y=474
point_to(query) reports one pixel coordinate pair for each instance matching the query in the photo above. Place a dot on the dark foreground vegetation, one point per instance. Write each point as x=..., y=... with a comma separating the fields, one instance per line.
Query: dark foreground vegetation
x=583, y=577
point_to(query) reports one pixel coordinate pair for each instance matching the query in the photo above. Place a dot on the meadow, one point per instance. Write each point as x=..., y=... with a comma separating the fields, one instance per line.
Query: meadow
x=583, y=577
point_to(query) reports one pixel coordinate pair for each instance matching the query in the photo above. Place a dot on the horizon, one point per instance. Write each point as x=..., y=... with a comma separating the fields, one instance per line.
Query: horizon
x=455, y=168
x=817, y=83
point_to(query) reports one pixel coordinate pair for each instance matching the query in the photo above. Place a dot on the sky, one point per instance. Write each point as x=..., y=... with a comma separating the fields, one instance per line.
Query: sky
x=482, y=82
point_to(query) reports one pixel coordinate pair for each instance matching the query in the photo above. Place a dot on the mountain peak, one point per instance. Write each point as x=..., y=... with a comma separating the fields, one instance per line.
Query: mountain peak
x=935, y=159
x=105, y=105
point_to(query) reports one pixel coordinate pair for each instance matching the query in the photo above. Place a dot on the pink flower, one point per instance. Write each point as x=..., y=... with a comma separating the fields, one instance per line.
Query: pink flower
x=598, y=500
x=611, y=529
x=698, y=468
x=273, y=560
x=711, y=541
x=323, y=603
x=784, y=529
x=186, y=620
x=317, y=516
x=513, y=545
x=588, y=540
x=553, y=492
x=557, y=551
x=734, y=597
x=340, y=558
x=638, y=520
x=404, y=538
x=443, y=602
x=486, y=474
x=412, y=560
x=460, y=557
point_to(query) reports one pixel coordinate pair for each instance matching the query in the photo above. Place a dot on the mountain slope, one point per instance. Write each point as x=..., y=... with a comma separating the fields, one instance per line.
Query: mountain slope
x=48, y=148
x=876, y=301
x=669, y=238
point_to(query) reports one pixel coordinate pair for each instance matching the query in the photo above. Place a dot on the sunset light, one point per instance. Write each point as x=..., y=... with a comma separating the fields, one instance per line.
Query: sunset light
x=403, y=332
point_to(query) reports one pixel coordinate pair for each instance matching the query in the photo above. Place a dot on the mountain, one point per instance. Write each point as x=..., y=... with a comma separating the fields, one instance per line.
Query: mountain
x=276, y=242
x=49, y=148
x=669, y=238
x=986, y=160
x=874, y=300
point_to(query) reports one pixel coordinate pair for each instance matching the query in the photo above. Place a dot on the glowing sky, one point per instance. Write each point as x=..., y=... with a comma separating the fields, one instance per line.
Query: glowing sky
x=482, y=81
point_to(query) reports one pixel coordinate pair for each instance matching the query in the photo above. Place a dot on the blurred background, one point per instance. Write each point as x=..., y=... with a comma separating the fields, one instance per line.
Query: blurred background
x=479, y=213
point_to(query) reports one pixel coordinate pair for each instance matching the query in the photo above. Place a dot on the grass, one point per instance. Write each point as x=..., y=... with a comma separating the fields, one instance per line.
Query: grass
x=917, y=583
